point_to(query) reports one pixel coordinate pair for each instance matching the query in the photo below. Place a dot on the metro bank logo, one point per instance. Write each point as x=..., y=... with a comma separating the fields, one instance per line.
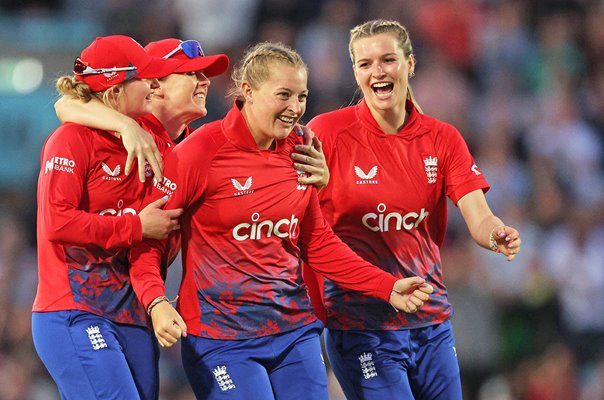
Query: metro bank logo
x=60, y=164
x=166, y=185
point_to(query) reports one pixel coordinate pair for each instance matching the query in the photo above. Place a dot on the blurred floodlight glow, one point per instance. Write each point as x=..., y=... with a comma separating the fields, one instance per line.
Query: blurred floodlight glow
x=27, y=75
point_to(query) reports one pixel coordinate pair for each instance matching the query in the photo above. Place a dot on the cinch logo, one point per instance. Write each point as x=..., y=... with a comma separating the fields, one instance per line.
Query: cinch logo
x=166, y=185
x=393, y=221
x=120, y=211
x=366, y=178
x=242, y=189
x=267, y=228
x=60, y=164
x=112, y=174
x=475, y=169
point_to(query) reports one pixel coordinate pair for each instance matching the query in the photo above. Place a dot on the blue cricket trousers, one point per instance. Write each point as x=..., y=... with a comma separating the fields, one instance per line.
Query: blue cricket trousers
x=90, y=357
x=284, y=366
x=418, y=364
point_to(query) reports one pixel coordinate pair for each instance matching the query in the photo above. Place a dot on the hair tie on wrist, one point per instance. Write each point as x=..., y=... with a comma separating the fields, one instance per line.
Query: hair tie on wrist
x=158, y=300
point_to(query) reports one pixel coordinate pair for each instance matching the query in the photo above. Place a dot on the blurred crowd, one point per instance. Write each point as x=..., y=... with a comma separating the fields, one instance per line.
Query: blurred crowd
x=523, y=80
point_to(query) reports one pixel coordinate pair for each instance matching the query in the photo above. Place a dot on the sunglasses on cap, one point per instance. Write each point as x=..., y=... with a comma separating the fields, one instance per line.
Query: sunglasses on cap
x=191, y=48
x=81, y=68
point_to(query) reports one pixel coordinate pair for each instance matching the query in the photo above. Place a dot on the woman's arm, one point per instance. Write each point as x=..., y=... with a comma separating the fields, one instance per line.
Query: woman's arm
x=138, y=142
x=327, y=255
x=487, y=229
x=65, y=166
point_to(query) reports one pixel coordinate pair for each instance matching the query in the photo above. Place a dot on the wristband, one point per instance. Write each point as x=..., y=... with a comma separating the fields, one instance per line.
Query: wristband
x=391, y=293
x=158, y=300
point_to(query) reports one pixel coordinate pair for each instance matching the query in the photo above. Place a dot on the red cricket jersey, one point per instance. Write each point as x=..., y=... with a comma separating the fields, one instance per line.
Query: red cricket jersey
x=387, y=200
x=246, y=225
x=87, y=218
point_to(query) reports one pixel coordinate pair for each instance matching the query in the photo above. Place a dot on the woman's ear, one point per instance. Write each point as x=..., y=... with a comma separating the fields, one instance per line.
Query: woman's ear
x=246, y=90
x=411, y=65
x=114, y=94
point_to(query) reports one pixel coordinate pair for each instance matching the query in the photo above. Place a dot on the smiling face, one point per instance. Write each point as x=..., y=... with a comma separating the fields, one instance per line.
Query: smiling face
x=382, y=71
x=133, y=98
x=277, y=103
x=185, y=94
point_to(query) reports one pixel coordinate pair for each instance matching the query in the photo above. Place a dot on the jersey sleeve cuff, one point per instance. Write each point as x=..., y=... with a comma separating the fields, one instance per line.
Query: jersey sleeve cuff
x=137, y=229
x=385, y=287
x=151, y=294
x=468, y=187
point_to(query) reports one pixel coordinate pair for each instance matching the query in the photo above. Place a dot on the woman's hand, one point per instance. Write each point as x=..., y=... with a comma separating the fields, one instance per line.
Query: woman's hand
x=138, y=142
x=140, y=146
x=505, y=240
x=168, y=325
x=409, y=294
x=310, y=159
x=158, y=223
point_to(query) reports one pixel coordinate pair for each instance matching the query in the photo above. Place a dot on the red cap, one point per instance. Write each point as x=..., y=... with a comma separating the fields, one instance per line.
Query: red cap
x=211, y=65
x=120, y=51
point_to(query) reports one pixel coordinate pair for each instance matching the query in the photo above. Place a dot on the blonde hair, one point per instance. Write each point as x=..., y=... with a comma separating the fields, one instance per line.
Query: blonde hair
x=377, y=26
x=256, y=62
x=70, y=86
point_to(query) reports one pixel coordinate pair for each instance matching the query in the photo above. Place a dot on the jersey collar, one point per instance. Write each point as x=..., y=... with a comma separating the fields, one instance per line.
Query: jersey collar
x=412, y=128
x=238, y=133
x=152, y=124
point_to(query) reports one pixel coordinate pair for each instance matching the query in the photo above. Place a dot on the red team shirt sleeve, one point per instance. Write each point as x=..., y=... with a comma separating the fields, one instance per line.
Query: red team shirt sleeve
x=458, y=162
x=183, y=184
x=64, y=170
x=327, y=255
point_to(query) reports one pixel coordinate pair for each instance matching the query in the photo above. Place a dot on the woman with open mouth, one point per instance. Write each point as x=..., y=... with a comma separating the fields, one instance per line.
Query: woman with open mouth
x=392, y=168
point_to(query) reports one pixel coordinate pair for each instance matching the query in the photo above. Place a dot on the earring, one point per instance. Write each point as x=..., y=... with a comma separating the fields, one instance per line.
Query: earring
x=412, y=74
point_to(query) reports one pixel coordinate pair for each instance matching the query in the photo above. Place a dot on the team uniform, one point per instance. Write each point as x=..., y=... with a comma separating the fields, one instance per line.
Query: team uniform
x=387, y=201
x=89, y=328
x=247, y=222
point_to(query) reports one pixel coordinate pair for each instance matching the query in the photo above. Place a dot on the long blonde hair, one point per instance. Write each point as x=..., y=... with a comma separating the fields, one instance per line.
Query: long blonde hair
x=377, y=26
x=255, y=65
x=69, y=86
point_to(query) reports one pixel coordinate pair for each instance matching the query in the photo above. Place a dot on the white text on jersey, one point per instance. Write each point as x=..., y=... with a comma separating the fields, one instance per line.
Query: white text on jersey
x=120, y=211
x=166, y=185
x=259, y=229
x=383, y=222
x=60, y=164
x=366, y=178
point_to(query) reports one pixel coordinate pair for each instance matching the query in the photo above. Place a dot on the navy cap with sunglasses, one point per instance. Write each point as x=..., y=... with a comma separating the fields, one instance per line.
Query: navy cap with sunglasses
x=191, y=56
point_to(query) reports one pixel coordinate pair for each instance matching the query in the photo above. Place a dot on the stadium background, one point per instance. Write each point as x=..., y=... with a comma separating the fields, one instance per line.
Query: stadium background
x=522, y=80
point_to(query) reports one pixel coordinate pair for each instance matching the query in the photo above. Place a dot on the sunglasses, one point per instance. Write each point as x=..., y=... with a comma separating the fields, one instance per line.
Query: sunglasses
x=191, y=48
x=81, y=68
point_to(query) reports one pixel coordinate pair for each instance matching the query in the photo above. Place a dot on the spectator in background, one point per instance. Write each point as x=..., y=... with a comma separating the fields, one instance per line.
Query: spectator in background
x=19, y=372
x=322, y=43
